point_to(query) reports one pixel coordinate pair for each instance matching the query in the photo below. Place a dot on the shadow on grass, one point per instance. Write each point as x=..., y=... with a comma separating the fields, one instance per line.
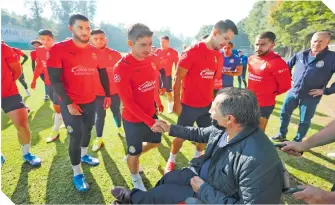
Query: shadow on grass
x=297, y=121
x=21, y=193
x=112, y=169
x=322, y=157
x=146, y=181
x=42, y=120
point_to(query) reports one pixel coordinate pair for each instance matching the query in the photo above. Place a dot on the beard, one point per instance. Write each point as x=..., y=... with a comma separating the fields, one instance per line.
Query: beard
x=263, y=53
x=216, y=124
x=80, y=40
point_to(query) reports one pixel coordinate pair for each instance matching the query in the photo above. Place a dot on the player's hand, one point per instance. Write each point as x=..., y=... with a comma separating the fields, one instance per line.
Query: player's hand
x=312, y=195
x=177, y=108
x=293, y=148
x=196, y=183
x=316, y=92
x=33, y=84
x=74, y=109
x=157, y=127
x=107, y=102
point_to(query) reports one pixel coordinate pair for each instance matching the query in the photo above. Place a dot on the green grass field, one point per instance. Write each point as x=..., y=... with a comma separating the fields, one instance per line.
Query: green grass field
x=52, y=182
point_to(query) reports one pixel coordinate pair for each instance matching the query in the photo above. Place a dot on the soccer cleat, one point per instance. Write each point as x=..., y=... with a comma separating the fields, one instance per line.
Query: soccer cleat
x=90, y=160
x=169, y=167
x=97, y=144
x=279, y=138
x=26, y=91
x=120, y=132
x=2, y=159
x=138, y=184
x=54, y=135
x=80, y=183
x=46, y=97
x=32, y=160
x=121, y=194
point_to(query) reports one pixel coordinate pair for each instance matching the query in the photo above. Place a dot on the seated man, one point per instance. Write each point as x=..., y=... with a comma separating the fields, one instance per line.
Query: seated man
x=240, y=165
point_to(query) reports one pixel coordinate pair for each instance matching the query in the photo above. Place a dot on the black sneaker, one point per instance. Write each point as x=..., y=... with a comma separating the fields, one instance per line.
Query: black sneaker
x=121, y=194
x=279, y=138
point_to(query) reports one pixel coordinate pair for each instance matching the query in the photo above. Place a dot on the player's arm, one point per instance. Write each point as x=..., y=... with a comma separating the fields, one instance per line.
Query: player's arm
x=38, y=69
x=123, y=85
x=238, y=71
x=103, y=76
x=176, y=59
x=325, y=136
x=25, y=58
x=13, y=61
x=331, y=89
x=55, y=70
x=218, y=72
x=291, y=63
x=33, y=64
x=281, y=73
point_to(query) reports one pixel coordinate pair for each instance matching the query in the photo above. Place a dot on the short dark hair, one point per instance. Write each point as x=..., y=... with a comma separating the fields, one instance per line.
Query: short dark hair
x=45, y=32
x=225, y=25
x=97, y=31
x=35, y=41
x=166, y=38
x=204, y=37
x=137, y=31
x=269, y=35
x=231, y=43
x=242, y=104
x=75, y=17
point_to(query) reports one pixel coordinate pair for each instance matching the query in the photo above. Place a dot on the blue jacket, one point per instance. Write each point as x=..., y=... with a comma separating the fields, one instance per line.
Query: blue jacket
x=313, y=75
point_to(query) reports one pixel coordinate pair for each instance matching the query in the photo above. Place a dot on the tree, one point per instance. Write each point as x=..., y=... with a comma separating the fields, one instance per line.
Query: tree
x=36, y=9
x=241, y=40
x=204, y=30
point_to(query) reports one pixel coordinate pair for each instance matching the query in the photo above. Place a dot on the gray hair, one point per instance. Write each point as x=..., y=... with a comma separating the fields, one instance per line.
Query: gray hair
x=242, y=104
x=323, y=33
x=137, y=31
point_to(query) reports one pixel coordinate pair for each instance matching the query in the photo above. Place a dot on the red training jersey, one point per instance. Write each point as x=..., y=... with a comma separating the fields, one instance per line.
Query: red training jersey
x=135, y=82
x=218, y=75
x=110, y=58
x=18, y=52
x=167, y=58
x=156, y=66
x=202, y=65
x=79, y=69
x=42, y=55
x=33, y=55
x=268, y=77
x=8, y=86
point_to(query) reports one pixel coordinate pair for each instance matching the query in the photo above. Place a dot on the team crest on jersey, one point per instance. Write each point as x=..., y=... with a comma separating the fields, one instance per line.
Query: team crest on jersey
x=320, y=64
x=231, y=61
x=132, y=149
x=117, y=78
x=263, y=66
x=48, y=55
x=94, y=56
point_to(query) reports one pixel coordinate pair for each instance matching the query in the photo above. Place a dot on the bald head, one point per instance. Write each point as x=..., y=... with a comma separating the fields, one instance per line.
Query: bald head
x=320, y=41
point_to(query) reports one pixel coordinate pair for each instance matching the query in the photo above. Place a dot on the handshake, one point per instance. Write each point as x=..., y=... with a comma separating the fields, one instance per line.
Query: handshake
x=161, y=126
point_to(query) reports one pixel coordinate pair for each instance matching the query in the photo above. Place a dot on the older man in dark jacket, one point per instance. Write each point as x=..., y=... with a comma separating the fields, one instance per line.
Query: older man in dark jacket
x=240, y=166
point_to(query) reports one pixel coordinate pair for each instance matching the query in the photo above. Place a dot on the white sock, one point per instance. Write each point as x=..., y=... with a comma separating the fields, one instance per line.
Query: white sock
x=57, y=122
x=197, y=153
x=25, y=149
x=84, y=151
x=172, y=158
x=136, y=177
x=77, y=169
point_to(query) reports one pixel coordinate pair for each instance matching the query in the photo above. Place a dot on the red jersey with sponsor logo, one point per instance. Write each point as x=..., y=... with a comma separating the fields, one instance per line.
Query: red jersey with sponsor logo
x=42, y=55
x=218, y=76
x=33, y=55
x=135, y=82
x=156, y=60
x=18, y=52
x=110, y=58
x=8, y=86
x=268, y=77
x=203, y=65
x=167, y=58
x=79, y=69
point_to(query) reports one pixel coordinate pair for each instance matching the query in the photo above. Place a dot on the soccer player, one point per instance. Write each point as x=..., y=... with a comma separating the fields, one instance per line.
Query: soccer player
x=232, y=66
x=21, y=78
x=72, y=67
x=268, y=76
x=35, y=44
x=12, y=103
x=195, y=73
x=111, y=57
x=42, y=54
x=135, y=79
x=244, y=62
x=168, y=57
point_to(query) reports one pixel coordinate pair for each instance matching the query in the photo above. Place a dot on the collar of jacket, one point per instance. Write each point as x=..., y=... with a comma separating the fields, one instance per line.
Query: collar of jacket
x=247, y=131
x=319, y=56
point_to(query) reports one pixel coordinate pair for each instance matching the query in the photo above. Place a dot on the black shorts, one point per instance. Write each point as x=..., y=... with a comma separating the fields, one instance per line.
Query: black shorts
x=266, y=111
x=53, y=95
x=166, y=82
x=11, y=103
x=137, y=133
x=190, y=115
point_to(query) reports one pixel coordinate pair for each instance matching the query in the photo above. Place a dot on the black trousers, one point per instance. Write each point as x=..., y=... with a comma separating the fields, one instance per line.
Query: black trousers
x=172, y=188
